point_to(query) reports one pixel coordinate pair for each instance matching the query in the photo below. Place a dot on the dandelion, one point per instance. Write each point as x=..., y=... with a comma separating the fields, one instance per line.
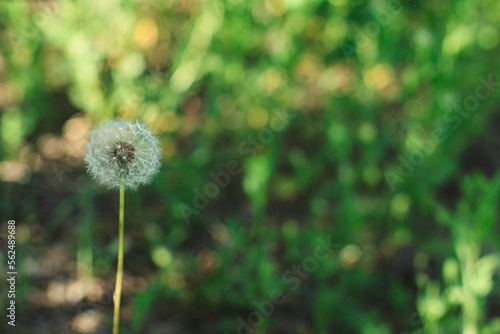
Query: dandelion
x=123, y=147
x=122, y=154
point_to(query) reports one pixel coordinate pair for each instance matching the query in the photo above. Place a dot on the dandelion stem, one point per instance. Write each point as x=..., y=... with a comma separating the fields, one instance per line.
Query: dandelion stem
x=119, y=271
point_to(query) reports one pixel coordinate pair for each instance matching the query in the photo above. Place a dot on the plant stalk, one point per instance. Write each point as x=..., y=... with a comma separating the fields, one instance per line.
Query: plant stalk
x=119, y=271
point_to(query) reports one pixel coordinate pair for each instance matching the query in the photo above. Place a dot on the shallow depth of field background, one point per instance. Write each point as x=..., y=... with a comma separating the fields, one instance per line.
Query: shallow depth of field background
x=366, y=86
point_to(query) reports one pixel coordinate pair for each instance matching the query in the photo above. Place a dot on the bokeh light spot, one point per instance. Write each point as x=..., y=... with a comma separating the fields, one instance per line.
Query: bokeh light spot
x=488, y=37
x=400, y=205
x=257, y=117
x=349, y=255
x=161, y=256
x=146, y=33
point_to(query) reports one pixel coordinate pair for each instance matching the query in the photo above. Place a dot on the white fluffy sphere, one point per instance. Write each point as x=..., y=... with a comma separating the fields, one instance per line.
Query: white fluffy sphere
x=123, y=146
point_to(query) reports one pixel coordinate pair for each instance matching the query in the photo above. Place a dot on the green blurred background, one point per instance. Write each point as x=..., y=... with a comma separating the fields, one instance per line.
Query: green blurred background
x=338, y=120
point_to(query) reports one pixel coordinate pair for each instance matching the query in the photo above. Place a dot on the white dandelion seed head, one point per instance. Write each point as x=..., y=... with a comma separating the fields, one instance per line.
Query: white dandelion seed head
x=123, y=146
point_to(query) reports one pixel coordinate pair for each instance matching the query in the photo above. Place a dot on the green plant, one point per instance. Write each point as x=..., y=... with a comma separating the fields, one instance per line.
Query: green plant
x=468, y=276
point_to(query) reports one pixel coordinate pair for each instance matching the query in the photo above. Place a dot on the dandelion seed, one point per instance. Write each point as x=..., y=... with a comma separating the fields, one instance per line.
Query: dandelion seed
x=123, y=147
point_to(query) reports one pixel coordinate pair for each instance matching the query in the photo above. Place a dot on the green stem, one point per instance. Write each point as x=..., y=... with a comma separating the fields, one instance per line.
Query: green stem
x=468, y=253
x=119, y=271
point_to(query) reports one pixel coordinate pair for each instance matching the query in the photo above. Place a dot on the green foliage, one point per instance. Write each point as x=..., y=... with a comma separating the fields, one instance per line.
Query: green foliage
x=308, y=119
x=468, y=276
